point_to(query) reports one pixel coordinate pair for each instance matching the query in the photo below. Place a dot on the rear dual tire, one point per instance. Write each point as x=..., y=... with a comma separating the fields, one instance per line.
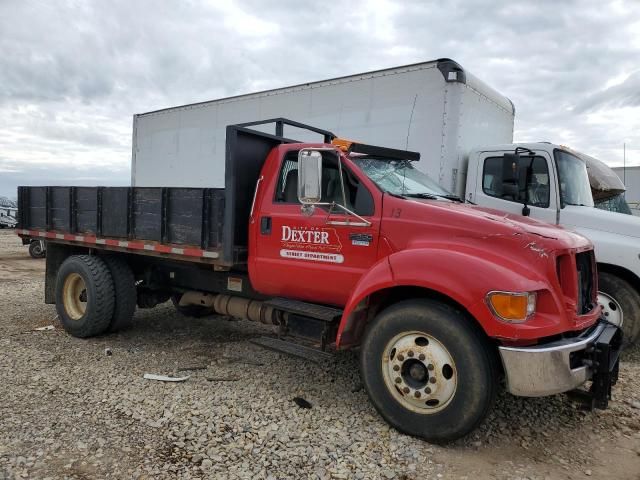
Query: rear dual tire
x=427, y=370
x=94, y=295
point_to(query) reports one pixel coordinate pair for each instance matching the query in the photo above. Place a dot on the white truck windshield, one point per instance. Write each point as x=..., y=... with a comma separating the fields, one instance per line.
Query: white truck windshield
x=399, y=177
x=574, y=181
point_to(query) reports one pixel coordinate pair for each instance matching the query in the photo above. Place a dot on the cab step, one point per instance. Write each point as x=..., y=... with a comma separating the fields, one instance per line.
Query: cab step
x=312, y=310
x=294, y=349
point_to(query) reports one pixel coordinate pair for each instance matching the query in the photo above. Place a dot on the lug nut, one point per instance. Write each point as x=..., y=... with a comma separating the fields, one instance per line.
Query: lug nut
x=427, y=390
x=430, y=366
x=417, y=394
x=410, y=353
x=396, y=367
x=398, y=380
x=401, y=357
x=405, y=389
x=421, y=356
x=432, y=380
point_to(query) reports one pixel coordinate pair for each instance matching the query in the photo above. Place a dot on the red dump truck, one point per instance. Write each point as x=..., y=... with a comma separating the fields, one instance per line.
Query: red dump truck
x=342, y=245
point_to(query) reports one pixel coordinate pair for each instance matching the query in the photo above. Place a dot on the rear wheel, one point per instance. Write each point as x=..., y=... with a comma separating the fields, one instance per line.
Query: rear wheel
x=427, y=370
x=85, y=296
x=620, y=305
x=125, y=293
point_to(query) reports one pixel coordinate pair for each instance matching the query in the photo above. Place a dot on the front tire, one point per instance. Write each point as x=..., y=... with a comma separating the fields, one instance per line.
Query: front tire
x=85, y=297
x=621, y=305
x=427, y=370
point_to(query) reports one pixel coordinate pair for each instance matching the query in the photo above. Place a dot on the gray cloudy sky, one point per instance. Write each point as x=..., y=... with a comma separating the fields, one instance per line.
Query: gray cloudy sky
x=72, y=73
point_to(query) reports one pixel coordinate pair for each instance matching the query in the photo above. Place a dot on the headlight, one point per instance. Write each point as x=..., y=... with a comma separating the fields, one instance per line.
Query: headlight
x=512, y=306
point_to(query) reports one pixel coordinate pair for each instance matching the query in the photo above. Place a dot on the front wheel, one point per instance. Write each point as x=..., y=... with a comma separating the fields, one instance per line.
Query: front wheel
x=427, y=370
x=620, y=305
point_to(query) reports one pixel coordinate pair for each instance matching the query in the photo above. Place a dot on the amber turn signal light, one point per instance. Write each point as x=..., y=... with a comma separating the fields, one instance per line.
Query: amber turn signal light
x=512, y=306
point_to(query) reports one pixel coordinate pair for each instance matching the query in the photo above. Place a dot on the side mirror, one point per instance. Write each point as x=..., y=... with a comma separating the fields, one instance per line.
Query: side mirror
x=516, y=173
x=510, y=168
x=309, y=177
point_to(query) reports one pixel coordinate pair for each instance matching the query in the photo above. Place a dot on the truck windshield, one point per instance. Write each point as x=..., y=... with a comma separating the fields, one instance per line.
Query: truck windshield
x=399, y=177
x=574, y=181
x=616, y=204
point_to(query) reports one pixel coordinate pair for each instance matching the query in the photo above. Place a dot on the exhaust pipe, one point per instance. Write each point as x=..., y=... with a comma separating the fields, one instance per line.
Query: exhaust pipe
x=233, y=306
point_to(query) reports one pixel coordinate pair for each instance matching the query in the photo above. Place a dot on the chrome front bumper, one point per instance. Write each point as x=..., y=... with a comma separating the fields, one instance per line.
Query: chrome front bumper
x=562, y=365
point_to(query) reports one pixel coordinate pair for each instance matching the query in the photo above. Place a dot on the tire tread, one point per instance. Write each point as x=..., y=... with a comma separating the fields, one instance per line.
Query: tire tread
x=124, y=291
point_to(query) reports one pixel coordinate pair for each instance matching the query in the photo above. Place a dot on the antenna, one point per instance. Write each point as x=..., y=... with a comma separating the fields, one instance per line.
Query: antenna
x=415, y=99
x=404, y=170
x=624, y=164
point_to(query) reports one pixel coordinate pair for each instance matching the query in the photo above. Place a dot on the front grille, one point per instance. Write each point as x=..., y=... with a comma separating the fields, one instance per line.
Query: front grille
x=585, y=272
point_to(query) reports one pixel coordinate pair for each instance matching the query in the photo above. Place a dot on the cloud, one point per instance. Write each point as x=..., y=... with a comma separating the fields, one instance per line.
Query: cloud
x=625, y=94
x=72, y=73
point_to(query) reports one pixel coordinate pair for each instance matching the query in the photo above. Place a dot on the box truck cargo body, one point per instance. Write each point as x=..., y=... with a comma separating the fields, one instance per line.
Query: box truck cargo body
x=434, y=108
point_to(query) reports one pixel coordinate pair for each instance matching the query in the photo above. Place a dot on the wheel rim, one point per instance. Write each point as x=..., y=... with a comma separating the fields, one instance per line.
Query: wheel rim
x=419, y=372
x=75, y=296
x=610, y=308
x=37, y=249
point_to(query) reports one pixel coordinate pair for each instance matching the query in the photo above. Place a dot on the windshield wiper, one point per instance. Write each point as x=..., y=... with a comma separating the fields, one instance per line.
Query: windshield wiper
x=451, y=196
x=428, y=196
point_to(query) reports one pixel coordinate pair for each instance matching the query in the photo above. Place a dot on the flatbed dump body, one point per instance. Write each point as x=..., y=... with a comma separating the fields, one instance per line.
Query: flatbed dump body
x=207, y=225
x=182, y=222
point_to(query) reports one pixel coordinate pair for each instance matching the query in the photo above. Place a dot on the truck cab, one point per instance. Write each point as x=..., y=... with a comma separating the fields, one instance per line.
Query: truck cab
x=550, y=183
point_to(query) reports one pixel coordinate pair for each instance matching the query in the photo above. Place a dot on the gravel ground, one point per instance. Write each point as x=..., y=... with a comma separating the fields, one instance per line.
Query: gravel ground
x=69, y=409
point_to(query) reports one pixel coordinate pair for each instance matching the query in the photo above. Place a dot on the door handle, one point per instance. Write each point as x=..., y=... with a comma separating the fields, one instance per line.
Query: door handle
x=265, y=225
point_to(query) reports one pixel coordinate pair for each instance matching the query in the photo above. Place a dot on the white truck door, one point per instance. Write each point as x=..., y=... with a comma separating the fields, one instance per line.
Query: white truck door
x=492, y=191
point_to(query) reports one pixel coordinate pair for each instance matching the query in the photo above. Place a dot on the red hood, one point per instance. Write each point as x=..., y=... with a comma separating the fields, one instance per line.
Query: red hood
x=464, y=220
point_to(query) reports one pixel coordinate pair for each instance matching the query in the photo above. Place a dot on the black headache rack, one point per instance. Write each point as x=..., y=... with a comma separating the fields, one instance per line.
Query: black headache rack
x=247, y=148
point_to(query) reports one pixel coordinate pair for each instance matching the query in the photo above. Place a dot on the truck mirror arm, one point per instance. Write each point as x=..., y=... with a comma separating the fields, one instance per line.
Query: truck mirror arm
x=361, y=223
x=526, y=211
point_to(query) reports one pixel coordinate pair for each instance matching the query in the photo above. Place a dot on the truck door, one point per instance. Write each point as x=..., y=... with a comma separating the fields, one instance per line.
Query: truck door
x=492, y=190
x=308, y=257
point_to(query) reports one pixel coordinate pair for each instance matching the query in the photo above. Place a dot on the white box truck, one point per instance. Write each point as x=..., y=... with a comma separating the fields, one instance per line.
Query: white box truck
x=463, y=130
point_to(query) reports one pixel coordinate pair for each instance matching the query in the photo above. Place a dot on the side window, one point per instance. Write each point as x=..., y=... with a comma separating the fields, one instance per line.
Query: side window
x=357, y=196
x=287, y=187
x=494, y=184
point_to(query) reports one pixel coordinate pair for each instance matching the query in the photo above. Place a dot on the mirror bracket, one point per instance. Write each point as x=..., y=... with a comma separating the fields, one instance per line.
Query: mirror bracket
x=307, y=209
